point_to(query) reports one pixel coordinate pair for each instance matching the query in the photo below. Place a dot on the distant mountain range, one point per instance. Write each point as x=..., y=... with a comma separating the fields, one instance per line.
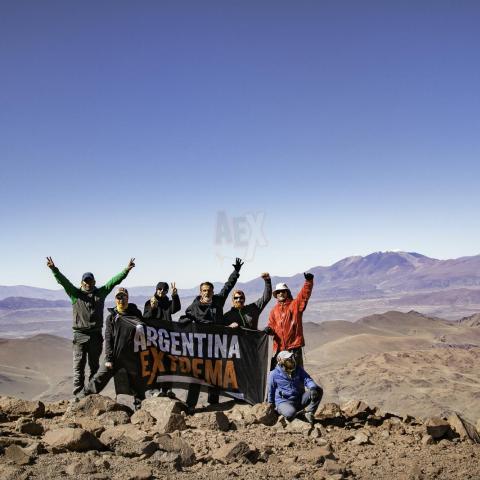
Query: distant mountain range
x=375, y=275
x=353, y=287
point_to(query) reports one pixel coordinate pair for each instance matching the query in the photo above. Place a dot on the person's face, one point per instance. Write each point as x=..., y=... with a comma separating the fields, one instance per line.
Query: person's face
x=238, y=300
x=282, y=295
x=121, y=300
x=88, y=284
x=289, y=364
x=206, y=293
x=161, y=292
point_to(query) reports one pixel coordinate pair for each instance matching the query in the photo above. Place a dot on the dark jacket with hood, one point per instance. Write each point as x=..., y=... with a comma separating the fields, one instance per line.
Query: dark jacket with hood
x=111, y=330
x=210, y=312
x=164, y=311
x=247, y=317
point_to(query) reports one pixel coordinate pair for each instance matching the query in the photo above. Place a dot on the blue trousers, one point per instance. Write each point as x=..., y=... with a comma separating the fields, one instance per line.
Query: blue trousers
x=289, y=409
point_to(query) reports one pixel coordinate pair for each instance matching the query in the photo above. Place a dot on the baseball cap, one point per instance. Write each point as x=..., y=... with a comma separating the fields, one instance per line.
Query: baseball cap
x=87, y=276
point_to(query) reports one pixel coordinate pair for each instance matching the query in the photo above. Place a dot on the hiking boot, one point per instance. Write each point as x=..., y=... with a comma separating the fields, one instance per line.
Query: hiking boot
x=310, y=417
x=190, y=410
x=171, y=394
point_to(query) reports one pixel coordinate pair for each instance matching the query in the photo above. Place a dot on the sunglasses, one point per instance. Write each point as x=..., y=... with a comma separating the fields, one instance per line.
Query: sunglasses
x=239, y=298
x=121, y=297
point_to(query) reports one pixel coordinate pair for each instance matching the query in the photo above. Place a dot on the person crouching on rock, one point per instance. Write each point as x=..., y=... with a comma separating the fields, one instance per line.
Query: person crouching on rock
x=291, y=389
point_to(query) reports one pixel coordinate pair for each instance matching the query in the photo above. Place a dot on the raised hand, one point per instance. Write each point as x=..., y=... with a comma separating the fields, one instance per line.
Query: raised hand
x=131, y=264
x=308, y=276
x=174, y=288
x=50, y=263
x=265, y=276
x=238, y=264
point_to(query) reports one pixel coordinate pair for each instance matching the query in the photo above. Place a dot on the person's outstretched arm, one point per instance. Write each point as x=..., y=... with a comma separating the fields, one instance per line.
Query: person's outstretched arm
x=305, y=293
x=232, y=280
x=71, y=290
x=261, y=303
x=117, y=279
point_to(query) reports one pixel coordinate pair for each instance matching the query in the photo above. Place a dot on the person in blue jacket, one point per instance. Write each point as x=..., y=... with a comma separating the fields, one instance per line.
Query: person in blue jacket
x=291, y=389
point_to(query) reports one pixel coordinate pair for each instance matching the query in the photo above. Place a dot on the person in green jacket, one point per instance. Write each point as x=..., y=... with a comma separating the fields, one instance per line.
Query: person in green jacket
x=88, y=303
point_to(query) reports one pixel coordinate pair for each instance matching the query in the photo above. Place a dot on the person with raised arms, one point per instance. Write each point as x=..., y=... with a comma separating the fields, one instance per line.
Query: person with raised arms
x=88, y=302
x=207, y=308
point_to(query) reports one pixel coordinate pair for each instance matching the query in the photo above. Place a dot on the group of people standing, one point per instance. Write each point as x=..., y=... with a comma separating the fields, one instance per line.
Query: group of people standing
x=290, y=388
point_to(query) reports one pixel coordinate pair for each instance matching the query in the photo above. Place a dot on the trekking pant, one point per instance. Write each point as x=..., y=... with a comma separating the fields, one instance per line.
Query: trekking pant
x=194, y=392
x=104, y=375
x=85, y=347
x=297, y=354
x=290, y=409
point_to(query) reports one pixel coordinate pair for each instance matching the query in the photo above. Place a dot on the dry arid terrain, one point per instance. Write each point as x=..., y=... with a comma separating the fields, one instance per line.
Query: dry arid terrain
x=98, y=438
x=406, y=363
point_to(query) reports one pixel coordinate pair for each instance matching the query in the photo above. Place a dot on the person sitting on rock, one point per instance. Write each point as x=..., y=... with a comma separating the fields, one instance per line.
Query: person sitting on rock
x=113, y=334
x=291, y=389
x=246, y=316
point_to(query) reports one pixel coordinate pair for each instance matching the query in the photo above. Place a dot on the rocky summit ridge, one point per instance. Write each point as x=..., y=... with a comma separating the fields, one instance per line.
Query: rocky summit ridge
x=98, y=438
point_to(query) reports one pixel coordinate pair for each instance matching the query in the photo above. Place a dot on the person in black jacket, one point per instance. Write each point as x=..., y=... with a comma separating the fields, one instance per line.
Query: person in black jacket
x=246, y=316
x=110, y=367
x=161, y=308
x=207, y=308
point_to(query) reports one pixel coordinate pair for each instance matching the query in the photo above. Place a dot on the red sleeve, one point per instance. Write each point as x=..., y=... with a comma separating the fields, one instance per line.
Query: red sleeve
x=304, y=295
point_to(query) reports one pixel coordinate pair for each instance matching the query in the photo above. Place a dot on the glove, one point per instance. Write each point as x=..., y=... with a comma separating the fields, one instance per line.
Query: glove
x=238, y=264
x=308, y=276
x=268, y=331
x=314, y=394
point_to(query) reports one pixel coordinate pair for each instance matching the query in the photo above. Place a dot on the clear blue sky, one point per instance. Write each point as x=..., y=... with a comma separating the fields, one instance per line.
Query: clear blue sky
x=125, y=127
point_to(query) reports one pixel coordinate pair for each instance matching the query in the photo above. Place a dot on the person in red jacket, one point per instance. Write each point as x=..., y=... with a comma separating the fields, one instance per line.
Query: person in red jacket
x=285, y=320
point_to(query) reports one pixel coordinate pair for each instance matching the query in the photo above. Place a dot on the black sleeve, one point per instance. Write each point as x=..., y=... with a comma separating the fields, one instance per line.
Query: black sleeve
x=227, y=288
x=261, y=303
x=109, y=339
x=138, y=313
x=175, y=305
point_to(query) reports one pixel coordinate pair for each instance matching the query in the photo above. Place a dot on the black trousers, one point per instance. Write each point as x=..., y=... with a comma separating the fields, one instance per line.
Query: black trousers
x=85, y=350
x=194, y=393
x=104, y=375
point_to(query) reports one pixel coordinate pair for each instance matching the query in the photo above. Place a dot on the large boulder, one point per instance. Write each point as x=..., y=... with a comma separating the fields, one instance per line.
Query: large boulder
x=114, y=418
x=129, y=448
x=174, y=444
x=18, y=455
x=210, y=421
x=143, y=418
x=15, y=408
x=265, y=414
x=93, y=406
x=238, y=452
x=464, y=429
x=356, y=409
x=167, y=413
x=29, y=427
x=437, y=427
x=73, y=439
x=113, y=435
